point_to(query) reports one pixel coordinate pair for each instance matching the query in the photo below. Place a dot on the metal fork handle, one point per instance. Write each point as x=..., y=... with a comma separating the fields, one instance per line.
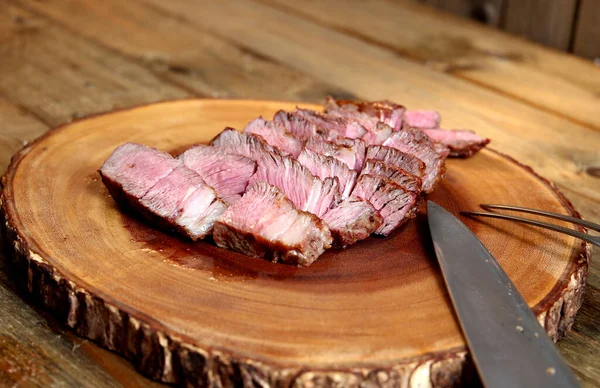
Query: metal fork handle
x=595, y=240
x=562, y=217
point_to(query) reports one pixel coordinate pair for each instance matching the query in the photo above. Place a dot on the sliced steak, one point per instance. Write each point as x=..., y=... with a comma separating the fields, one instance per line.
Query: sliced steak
x=462, y=143
x=264, y=223
x=413, y=141
x=405, y=179
x=335, y=126
x=227, y=173
x=324, y=167
x=421, y=119
x=384, y=111
x=352, y=220
x=307, y=192
x=132, y=169
x=350, y=151
x=276, y=135
x=395, y=204
x=398, y=159
x=245, y=144
x=178, y=200
x=298, y=126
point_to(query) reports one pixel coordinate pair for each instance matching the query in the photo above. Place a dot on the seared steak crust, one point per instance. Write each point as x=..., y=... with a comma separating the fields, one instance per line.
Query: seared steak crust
x=461, y=143
x=352, y=220
x=264, y=223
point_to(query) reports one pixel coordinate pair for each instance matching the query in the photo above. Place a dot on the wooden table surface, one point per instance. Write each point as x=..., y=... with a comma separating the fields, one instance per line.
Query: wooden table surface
x=64, y=59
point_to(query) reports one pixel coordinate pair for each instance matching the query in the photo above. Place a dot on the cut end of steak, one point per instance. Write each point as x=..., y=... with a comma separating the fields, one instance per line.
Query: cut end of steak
x=275, y=134
x=402, y=178
x=384, y=111
x=245, y=144
x=178, y=200
x=421, y=119
x=395, y=204
x=307, y=192
x=334, y=126
x=227, y=173
x=324, y=167
x=349, y=151
x=264, y=223
x=132, y=169
x=352, y=220
x=298, y=126
x=398, y=159
x=461, y=143
x=415, y=142
x=378, y=134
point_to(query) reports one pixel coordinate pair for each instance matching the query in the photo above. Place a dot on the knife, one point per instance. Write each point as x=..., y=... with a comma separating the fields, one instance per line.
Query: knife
x=508, y=345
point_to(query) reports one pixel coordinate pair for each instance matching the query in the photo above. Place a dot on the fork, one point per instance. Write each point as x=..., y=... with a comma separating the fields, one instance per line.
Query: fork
x=595, y=240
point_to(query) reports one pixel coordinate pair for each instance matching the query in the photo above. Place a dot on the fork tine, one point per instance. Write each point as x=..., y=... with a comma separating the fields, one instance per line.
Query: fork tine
x=575, y=233
x=574, y=220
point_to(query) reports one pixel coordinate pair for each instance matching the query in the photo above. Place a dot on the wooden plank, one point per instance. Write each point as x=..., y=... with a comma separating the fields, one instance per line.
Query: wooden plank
x=59, y=76
x=183, y=53
x=486, y=11
x=506, y=64
x=33, y=351
x=587, y=33
x=371, y=72
x=546, y=22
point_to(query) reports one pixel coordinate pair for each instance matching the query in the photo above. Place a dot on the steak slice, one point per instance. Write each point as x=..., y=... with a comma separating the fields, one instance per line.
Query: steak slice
x=405, y=179
x=264, y=223
x=178, y=200
x=335, y=126
x=245, y=144
x=352, y=220
x=461, y=143
x=324, y=167
x=307, y=192
x=276, y=135
x=421, y=119
x=228, y=174
x=350, y=151
x=384, y=111
x=395, y=204
x=415, y=142
x=132, y=169
x=398, y=159
x=298, y=126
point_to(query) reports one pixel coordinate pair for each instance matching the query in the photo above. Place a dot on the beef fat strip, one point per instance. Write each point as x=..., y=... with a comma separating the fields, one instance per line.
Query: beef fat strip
x=264, y=223
x=162, y=189
x=228, y=174
x=395, y=204
x=275, y=134
x=352, y=220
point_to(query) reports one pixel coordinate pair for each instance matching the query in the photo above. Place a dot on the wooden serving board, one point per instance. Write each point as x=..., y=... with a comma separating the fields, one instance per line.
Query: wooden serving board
x=376, y=312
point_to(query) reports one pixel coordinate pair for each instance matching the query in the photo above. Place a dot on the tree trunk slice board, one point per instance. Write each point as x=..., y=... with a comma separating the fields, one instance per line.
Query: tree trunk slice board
x=190, y=313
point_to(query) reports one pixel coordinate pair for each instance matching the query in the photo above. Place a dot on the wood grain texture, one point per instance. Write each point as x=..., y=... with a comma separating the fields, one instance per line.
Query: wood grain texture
x=183, y=53
x=508, y=65
x=547, y=22
x=486, y=11
x=587, y=34
x=58, y=76
x=196, y=314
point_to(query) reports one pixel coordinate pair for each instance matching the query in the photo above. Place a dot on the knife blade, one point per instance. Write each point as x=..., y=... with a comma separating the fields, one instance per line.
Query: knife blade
x=507, y=344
